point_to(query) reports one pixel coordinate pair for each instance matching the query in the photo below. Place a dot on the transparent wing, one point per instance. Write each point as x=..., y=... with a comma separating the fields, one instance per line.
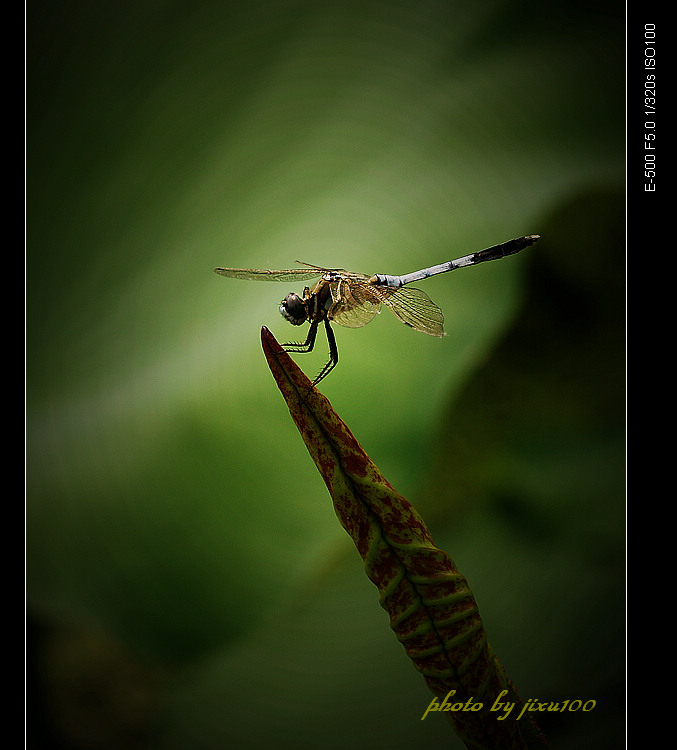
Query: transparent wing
x=253, y=274
x=354, y=304
x=414, y=308
x=355, y=301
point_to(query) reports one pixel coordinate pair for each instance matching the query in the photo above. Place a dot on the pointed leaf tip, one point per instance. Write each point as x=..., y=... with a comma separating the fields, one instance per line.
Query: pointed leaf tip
x=288, y=375
x=329, y=441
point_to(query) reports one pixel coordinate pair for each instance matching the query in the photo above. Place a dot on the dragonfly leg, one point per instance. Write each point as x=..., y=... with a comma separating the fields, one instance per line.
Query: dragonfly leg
x=307, y=345
x=333, y=354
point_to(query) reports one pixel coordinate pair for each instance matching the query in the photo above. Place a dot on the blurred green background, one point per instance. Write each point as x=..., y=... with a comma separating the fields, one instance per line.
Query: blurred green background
x=188, y=584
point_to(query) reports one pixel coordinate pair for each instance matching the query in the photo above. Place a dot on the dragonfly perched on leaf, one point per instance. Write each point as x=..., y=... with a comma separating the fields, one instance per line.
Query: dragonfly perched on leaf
x=353, y=299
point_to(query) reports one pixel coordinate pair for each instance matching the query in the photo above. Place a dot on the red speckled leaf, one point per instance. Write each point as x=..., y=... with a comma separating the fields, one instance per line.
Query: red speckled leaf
x=431, y=607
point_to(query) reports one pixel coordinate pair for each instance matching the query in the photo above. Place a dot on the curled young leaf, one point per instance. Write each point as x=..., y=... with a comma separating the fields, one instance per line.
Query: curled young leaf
x=431, y=607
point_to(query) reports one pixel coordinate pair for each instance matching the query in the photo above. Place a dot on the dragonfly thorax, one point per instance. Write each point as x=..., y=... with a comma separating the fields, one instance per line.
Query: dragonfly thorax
x=294, y=309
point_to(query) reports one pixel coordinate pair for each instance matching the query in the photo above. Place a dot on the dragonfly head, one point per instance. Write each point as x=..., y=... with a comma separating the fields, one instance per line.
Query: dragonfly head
x=294, y=309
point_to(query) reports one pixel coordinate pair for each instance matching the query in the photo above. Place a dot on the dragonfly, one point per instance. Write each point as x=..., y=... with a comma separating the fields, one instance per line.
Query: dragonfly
x=353, y=299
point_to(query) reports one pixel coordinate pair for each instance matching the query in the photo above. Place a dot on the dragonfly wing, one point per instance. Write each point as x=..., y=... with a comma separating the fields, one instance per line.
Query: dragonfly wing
x=415, y=309
x=253, y=274
x=353, y=302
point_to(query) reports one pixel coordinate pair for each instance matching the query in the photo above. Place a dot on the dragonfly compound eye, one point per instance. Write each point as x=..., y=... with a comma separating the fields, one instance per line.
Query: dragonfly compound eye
x=293, y=309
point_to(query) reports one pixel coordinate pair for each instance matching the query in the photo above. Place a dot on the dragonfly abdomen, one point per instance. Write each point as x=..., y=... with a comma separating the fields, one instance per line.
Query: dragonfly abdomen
x=381, y=279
